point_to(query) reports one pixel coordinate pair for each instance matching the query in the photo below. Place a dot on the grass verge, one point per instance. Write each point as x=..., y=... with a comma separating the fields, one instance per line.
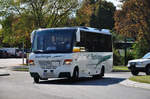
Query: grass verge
x=120, y=68
x=23, y=64
x=21, y=69
x=142, y=79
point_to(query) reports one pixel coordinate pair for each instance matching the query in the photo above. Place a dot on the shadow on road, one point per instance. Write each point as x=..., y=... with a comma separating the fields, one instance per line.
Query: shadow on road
x=85, y=81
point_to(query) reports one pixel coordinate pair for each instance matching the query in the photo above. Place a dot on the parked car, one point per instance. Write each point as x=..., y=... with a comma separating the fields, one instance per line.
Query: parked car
x=3, y=53
x=19, y=53
x=10, y=51
x=140, y=65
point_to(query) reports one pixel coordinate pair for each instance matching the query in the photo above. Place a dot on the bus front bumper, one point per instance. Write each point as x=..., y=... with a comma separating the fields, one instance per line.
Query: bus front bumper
x=60, y=72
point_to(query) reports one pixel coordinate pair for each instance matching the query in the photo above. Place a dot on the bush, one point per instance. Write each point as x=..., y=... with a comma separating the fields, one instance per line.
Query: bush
x=130, y=55
x=141, y=48
x=117, y=58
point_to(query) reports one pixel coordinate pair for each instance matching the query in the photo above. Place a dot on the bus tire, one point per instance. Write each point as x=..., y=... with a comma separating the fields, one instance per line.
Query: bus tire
x=102, y=72
x=75, y=75
x=36, y=79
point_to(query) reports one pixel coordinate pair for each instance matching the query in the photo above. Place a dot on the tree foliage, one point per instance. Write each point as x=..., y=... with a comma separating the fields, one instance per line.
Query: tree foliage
x=96, y=13
x=20, y=17
x=133, y=20
x=104, y=13
x=84, y=13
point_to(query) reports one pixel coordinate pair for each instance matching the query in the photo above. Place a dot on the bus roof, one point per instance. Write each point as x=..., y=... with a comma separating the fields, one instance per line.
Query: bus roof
x=86, y=29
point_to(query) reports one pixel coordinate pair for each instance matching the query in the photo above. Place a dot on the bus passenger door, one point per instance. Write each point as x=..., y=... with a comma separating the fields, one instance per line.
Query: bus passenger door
x=90, y=64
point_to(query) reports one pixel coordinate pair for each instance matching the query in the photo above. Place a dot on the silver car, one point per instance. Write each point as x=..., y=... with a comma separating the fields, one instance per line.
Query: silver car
x=140, y=65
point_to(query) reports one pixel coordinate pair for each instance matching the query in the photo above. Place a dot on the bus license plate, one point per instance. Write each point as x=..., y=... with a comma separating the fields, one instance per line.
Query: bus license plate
x=55, y=63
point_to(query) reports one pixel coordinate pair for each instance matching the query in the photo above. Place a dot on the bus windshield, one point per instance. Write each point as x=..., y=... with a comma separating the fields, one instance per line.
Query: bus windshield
x=53, y=41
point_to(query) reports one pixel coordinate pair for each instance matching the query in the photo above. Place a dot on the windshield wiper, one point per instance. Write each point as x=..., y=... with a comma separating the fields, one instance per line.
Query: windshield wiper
x=49, y=51
x=38, y=51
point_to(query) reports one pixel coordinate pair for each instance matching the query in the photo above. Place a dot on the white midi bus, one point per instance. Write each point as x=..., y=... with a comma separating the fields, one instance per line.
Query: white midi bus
x=70, y=52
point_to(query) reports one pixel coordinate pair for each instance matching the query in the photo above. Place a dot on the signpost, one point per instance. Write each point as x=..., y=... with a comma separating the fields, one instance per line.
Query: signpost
x=23, y=54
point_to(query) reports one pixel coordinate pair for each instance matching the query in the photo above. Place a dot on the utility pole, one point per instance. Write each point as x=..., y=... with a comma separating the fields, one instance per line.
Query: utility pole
x=125, y=52
x=23, y=53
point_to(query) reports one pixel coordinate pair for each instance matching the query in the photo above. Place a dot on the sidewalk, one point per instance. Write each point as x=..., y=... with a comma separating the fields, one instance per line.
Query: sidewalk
x=4, y=72
x=135, y=84
x=6, y=64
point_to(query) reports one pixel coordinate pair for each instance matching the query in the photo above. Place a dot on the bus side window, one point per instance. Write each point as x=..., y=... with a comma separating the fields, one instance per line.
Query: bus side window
x=94, y=42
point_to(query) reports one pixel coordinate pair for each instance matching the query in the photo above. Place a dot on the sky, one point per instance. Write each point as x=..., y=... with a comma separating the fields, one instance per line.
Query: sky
x=115, y=2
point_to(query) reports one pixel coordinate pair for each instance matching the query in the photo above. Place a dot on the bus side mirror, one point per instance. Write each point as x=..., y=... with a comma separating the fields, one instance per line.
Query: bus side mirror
x=32, y=36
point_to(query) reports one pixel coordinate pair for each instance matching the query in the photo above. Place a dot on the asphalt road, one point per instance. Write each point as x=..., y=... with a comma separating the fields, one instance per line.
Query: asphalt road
x=19, y=85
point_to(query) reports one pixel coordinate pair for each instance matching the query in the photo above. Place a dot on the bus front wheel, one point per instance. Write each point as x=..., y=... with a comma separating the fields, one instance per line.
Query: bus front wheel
x=36, y=79
x=75, y=74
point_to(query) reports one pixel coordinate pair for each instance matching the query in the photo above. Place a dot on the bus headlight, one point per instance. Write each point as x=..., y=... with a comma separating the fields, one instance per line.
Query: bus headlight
x=31, y=62
x=67, y=61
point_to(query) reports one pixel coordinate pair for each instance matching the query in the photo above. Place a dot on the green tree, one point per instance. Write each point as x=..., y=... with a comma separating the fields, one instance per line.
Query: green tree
x=84, y=13
x=96, y=13
x=23, y=16
x=7, y=28
x=46, y=13
x=104, y=12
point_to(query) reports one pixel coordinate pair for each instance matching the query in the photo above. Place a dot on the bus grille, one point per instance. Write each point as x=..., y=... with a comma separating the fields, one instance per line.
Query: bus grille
x=49, y=64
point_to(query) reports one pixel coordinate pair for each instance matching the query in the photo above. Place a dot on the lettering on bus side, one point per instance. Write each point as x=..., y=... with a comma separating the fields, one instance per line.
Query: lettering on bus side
x=48, y=56
x=99, y=59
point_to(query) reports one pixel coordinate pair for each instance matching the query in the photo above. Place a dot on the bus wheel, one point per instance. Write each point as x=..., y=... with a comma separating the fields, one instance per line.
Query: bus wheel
x=75, y=74
x=36, y=79
x=102, y=72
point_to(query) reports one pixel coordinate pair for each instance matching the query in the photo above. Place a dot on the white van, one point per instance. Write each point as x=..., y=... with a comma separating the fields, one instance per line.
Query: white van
x=70, y=52
x=12, y=52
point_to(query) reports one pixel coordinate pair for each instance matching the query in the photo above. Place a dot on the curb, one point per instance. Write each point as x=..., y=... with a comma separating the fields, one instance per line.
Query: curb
x=135, y=84
x=120, y=70
x=20, y=68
